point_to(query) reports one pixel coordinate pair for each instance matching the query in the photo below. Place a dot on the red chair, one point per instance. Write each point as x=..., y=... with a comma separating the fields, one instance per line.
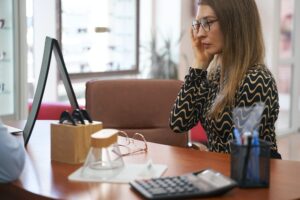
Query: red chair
x=198, y=134
x=51, y=110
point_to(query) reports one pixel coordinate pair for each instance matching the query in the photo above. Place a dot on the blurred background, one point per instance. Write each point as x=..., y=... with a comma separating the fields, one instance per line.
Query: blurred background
x=108, y=39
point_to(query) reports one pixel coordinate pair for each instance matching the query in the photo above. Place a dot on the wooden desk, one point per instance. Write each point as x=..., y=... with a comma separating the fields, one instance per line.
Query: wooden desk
x=43, y=178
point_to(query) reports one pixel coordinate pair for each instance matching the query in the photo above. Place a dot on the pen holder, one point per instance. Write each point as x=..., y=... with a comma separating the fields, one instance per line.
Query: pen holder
x=250, y=165
x=69, y=143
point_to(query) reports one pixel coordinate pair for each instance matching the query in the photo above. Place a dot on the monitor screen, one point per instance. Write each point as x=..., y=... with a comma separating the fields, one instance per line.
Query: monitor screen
x=51, y=45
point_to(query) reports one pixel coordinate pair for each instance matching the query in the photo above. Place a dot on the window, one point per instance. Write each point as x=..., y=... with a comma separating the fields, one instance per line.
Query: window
x=99, y=37
x=286, y=63
x=286, y=28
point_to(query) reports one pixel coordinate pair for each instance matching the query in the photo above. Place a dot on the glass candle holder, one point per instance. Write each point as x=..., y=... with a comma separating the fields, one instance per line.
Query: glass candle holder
x=104, y=159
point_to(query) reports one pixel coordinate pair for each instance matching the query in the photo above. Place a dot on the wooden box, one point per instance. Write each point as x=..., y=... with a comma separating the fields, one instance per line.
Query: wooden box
x=70, y=144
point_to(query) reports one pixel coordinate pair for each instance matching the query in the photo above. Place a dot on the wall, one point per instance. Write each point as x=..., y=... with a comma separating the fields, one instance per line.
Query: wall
x=44, y=20
x=21, y=107
x=270, y=25
x=160, y=19
x=187, y=15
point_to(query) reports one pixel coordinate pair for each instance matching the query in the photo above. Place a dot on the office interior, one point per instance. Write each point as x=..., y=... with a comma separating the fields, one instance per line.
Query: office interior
x=83, y=29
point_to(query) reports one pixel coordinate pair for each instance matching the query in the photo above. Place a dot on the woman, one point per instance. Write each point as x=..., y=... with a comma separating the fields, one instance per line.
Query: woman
x=12, y=155
x=228, y=72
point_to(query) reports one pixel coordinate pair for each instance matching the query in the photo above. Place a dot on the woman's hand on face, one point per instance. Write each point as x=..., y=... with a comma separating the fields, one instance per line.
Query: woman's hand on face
x=201, y=57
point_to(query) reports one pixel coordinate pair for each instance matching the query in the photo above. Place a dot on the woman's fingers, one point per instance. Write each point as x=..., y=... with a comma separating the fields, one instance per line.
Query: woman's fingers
x=195, y=40
x=192, y=33
x=201, y=58
x=192, y=36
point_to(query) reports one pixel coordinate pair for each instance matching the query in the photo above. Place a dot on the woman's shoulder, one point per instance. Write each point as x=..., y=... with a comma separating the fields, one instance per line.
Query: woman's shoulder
x=259, y=85
x=259, y=70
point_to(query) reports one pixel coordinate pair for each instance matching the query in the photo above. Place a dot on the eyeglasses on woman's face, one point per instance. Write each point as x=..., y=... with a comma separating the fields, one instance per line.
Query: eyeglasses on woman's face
x=204, y=23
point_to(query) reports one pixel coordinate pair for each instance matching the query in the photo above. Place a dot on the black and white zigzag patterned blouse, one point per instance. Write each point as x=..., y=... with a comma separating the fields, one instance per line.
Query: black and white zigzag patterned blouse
x=198, y=93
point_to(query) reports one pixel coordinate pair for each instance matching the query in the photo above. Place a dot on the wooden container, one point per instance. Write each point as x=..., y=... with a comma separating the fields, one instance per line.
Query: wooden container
x=70, y=144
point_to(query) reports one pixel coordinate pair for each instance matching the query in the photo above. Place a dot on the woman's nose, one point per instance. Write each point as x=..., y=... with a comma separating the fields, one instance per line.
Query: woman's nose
x=201, y=32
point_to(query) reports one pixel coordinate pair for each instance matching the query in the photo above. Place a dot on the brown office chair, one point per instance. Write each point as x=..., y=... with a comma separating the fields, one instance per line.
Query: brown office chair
x=136, y=105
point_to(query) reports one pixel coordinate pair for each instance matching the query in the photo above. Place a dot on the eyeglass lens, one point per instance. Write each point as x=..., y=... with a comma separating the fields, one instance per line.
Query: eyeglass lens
x=128, y=146
x=205, y=23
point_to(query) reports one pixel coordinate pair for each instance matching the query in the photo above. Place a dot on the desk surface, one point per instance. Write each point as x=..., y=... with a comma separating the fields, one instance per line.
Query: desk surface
x=45, y=178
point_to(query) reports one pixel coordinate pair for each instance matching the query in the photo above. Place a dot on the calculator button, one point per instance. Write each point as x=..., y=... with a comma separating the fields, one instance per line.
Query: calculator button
x=157, y=191
x=171, y=190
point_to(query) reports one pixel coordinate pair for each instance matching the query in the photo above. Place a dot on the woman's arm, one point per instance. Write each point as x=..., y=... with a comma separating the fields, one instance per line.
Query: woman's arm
x=190, y=101
x=260, y=86
x=12, y=155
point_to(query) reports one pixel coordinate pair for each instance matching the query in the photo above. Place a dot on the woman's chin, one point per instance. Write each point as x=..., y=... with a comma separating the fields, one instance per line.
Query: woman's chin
x=212, y=51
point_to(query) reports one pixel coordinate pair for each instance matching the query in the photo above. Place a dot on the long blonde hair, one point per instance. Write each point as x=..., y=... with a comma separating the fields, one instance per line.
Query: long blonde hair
x=243, y=45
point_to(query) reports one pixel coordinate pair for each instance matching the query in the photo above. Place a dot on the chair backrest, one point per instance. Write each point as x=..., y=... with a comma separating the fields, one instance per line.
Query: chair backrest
x=51, y=110
x=136, y=105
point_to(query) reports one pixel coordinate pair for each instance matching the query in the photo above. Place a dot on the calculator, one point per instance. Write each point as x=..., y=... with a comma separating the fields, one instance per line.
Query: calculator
x=204, y=183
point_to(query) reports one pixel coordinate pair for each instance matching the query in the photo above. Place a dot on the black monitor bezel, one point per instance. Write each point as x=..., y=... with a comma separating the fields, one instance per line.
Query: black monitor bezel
x=51, y=45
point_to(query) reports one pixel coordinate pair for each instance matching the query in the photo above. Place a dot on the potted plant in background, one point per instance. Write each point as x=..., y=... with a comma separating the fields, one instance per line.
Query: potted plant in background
x=160, y=61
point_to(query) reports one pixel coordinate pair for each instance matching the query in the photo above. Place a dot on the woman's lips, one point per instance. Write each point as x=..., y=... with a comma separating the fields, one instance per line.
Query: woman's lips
x=206, y=45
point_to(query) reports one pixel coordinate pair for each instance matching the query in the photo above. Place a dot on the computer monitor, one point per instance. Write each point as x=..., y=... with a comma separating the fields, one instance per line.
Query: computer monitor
x=51, y=45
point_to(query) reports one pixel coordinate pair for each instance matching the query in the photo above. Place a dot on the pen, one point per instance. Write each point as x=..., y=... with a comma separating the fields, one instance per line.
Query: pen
x=237, y=136
x=255, y=156
x=245, y=167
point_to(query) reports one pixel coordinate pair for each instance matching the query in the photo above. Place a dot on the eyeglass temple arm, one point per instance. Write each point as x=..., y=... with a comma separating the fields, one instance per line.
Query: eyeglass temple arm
x=190, y=143
x=189, y=139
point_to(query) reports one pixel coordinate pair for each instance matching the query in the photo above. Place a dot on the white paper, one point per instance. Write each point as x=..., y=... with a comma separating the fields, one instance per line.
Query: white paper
x=12, y=130
x=126, y=174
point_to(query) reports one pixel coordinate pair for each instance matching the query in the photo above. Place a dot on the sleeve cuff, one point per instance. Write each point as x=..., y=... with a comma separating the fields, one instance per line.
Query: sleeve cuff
x=196, y=75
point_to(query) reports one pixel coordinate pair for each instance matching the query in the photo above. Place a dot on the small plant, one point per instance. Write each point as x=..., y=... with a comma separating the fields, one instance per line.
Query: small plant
x=162, y=64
